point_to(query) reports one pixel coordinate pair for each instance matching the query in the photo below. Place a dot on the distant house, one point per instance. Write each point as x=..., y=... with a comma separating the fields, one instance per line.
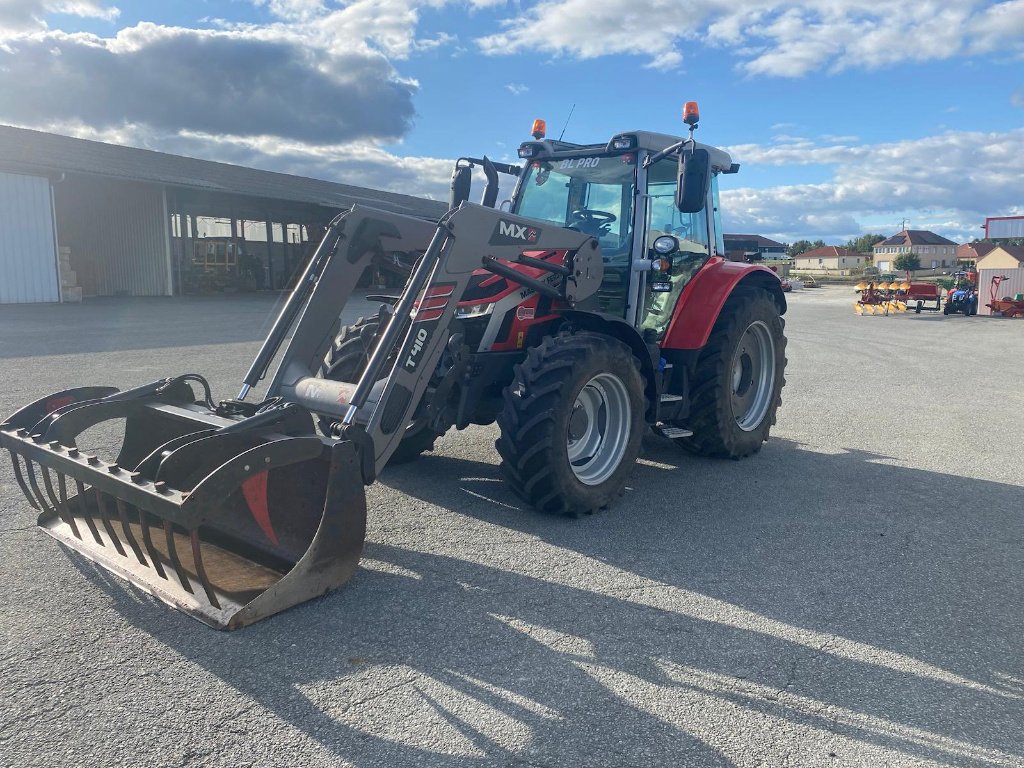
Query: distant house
x=752, y=247
x=935, y=251
x=830, y=259
x=970, y=253
x=1003, y=257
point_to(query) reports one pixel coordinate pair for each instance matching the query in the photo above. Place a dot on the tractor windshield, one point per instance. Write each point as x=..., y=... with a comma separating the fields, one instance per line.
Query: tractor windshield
x=592, y=194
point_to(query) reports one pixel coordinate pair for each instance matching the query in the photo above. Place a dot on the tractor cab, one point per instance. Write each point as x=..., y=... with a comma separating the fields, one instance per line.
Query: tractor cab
x=627, y=195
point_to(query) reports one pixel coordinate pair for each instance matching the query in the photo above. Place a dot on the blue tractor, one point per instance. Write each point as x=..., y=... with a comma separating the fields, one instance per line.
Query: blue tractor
x=963, y=296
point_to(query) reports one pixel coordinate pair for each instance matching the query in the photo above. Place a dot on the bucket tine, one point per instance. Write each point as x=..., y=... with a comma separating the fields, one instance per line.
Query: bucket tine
x=122, y=513
x=30, y=470
x=101, y=507
x=172, y=553
x=85, y=512
x=21, y=481
x=197, y=559
x=61, y=508
x=147, y=540
x=62, y=488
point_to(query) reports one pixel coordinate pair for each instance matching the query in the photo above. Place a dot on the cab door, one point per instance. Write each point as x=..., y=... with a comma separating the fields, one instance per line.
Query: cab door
x=691, y=232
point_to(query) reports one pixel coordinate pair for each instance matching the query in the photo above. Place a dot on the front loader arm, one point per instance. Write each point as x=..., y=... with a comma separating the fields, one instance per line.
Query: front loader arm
x=238, y=511
x=382, y=402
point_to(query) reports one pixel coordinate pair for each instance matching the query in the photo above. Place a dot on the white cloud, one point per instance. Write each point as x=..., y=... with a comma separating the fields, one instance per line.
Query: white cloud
x=215, y=81
x=999, y=27
x=516, y=89
x=358, y=163
x=22, y=15
x=782, y=39
x=293, y=10
x=951, y=181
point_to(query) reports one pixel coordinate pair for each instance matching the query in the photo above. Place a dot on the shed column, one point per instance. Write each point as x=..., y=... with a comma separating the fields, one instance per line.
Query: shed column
x=167, y=245
x=270, y=254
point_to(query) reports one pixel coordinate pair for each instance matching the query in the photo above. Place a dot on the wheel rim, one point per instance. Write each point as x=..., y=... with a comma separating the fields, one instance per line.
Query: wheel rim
x=753, y=376
x=598, y=429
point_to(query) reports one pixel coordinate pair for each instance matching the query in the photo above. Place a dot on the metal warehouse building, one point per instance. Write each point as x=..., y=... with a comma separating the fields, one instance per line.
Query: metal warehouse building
x=86, y=218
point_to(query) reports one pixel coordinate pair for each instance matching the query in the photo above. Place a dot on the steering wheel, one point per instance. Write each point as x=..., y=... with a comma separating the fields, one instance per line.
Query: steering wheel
x=598, y=218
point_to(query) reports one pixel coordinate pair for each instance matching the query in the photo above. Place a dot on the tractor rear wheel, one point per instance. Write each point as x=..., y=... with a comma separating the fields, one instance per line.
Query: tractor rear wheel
x=572, y=423
x=737, y=388
x=345, y=362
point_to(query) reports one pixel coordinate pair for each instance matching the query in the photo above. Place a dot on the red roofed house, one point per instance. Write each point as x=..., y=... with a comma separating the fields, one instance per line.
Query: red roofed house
x=832, y=259
x=971, y=253
x=935, y=251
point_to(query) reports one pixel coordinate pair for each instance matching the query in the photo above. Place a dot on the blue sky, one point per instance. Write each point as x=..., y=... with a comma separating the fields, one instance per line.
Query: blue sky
x=847, y=116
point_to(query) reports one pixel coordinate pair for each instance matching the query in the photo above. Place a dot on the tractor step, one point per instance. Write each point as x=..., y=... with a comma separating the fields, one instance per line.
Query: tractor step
x=672, y=433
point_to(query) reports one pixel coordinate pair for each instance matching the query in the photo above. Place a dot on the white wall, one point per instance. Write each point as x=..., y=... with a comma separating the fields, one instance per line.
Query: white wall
x=28, y=252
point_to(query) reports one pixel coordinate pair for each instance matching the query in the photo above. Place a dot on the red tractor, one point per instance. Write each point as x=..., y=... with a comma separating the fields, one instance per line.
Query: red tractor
x=597, y=307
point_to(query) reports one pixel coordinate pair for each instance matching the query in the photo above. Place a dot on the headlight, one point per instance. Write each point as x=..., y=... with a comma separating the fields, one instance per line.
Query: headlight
x=665, y=245
x=619, y=143
x=475, y=310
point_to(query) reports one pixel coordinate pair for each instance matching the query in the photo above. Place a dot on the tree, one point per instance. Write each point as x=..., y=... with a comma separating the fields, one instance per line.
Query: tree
x=907, y=262
x=803, y=246
x=864, y=243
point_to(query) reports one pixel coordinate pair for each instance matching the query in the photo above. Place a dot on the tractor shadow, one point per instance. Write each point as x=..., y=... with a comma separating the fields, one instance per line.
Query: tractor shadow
x=795, y=590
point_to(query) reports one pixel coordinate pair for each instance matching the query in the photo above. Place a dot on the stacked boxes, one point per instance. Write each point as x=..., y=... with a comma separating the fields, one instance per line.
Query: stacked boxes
x=69, y=287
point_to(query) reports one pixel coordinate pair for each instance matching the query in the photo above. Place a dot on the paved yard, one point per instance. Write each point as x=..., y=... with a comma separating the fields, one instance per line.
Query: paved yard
x=853, y=595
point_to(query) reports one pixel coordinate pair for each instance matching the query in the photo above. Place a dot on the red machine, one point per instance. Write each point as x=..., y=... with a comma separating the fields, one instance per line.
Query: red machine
x=1006, y=306
x=919, y=295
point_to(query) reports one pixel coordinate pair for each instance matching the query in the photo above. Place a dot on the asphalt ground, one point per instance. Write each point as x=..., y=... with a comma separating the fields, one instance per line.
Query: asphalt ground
x=852, y=595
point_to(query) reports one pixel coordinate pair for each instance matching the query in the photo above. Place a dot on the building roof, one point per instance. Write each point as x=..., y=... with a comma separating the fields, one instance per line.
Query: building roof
x=39, y=153
x=1015, y=251
x=915, y=237
x=761, y=241
x=973, y=250
x=830, y=252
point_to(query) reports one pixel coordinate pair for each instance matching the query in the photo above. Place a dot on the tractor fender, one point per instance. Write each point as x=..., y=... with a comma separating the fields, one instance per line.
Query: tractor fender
x=703, y=297
x=616, y=327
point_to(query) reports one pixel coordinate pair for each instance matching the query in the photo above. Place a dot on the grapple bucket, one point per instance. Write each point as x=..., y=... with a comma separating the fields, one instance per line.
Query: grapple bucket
x=229, y=520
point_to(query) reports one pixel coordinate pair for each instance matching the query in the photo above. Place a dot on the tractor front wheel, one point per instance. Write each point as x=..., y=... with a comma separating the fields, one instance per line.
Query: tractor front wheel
x=572, y=423
x=737, y=388
x=345, y=362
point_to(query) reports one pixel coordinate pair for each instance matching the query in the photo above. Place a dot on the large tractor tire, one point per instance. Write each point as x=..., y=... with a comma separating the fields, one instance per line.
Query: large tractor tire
x=572, y=423
x=345, y=362
x=737, y=388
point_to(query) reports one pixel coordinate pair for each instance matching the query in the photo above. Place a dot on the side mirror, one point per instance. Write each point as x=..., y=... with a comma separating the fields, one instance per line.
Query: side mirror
x=694, y=180
x=462, y=178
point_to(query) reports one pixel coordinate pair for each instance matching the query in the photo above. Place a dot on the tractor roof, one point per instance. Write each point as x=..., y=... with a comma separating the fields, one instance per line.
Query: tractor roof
x=648, y=140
